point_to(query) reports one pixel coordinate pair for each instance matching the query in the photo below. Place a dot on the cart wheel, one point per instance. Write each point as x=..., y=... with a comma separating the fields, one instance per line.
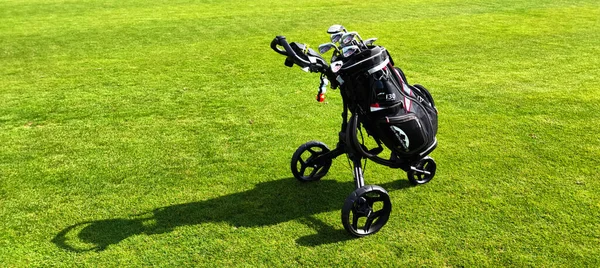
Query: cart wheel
x=422, y=172
x=366, y=210
x=304, y=167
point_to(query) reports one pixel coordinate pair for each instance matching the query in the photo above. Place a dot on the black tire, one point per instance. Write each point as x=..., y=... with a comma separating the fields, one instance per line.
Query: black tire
x=416, y=177
x=304, y=165
x=370, y=202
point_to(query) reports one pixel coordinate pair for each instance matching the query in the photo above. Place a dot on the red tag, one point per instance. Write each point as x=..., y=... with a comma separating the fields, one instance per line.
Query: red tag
x=321, y=97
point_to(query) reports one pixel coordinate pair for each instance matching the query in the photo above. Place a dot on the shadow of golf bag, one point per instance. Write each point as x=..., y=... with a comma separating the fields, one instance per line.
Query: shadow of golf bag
x=377, y=98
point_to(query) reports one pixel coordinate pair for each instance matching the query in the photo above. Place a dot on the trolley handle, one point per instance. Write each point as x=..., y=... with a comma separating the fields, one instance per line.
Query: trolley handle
x=316, y=64
x=287, y=50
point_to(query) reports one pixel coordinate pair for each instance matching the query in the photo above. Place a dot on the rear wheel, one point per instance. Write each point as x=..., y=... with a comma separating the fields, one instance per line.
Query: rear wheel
x=306, y=164
x=422, y=172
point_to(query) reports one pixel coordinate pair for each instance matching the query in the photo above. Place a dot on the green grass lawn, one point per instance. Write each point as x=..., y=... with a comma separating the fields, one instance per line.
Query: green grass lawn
x=160, y=133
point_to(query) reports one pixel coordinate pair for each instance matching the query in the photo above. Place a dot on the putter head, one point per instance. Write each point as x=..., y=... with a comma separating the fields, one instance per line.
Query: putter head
x=336, y=66
x=348, y=37
x=323, y=48
x=336, y=37
x=370, y=41
x=349, y=50
x=336, y=28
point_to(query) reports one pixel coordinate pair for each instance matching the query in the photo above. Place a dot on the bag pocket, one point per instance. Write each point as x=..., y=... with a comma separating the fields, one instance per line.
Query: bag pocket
x=405, y=134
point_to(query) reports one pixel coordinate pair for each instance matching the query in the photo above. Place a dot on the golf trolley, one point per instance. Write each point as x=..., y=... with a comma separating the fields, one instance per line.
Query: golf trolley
x=376, y=97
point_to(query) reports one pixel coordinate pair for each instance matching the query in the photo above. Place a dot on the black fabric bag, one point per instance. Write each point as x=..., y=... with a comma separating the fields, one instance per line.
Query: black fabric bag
x=402, y=117
x=355, y=76
x=409, y=127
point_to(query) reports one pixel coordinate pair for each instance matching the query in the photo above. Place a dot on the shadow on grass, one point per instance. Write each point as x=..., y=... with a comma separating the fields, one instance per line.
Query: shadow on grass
x=269, y=203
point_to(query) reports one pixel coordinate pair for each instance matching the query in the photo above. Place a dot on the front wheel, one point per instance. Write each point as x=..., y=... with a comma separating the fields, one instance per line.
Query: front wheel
x=306, y=164
x=366, y=210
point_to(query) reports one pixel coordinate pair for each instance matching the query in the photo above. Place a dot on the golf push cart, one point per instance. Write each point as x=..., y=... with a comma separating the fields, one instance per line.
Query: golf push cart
x=377, y=98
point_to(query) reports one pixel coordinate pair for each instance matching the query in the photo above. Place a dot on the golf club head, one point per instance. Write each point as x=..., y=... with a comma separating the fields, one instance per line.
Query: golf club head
x=336, y=37
x=336, y=28
x=348, y=37
x=336, y=66
x=370, y=41
x=349, y=50
x=342, y=45
x=323, y=48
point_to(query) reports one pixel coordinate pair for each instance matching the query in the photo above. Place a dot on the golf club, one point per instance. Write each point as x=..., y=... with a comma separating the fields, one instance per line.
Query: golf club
x=336, y=37
x=370, y=41
x=323, y=48
x=349, y=50
x=349, y=36
x=336, y=28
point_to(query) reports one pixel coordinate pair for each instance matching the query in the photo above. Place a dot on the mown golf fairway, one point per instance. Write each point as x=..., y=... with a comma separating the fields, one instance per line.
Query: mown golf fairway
x=160, y=132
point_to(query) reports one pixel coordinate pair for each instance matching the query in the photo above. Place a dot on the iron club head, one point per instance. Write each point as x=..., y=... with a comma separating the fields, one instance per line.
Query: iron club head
x=349, y=36
x=336, y=37
x=349, y=50
x=323, y=48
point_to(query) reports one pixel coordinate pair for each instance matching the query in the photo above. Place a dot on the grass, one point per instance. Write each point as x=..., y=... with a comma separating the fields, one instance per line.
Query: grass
x=159, y=133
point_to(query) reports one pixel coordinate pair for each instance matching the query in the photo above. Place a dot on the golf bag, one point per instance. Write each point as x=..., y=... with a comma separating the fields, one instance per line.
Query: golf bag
x=400, y=116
